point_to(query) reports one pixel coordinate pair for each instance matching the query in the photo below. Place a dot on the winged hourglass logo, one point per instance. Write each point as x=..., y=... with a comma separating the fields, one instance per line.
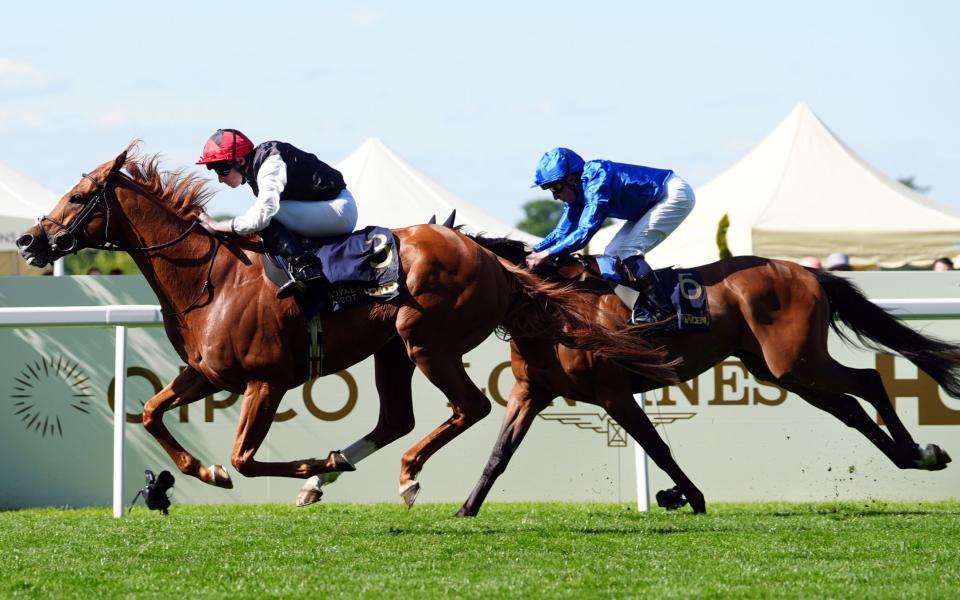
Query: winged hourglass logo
x=602, y=423
x=48, y=389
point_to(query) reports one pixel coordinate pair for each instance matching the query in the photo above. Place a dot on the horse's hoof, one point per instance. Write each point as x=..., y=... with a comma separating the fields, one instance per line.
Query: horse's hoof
x=463, y=512
x=409, y=493
x=310, y=493
x=699, y=505
x=933, y=458
x=220, y=477
x=671, y=499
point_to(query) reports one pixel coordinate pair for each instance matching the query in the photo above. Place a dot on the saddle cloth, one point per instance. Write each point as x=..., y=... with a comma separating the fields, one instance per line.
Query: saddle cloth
x=362, y=267
x=687, y=295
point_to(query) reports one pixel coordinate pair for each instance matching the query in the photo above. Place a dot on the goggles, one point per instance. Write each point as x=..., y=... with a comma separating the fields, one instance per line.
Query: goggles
x=222, y=168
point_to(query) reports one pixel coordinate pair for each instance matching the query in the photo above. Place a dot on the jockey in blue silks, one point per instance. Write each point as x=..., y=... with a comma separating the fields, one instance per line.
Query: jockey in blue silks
x=652, y=201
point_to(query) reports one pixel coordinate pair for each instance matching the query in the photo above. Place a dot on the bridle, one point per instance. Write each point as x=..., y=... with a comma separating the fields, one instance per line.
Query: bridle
x=69, y=232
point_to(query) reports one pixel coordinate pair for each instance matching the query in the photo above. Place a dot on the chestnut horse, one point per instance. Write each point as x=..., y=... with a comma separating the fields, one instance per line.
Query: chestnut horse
x=222, y=317
x=773, y=315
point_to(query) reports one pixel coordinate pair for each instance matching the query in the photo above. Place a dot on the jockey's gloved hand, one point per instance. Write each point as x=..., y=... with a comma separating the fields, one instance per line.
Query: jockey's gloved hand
x=215, y=227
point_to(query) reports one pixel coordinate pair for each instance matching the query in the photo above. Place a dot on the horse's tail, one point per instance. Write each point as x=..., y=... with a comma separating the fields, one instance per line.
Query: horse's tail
x=558, y=314
x=877, y=329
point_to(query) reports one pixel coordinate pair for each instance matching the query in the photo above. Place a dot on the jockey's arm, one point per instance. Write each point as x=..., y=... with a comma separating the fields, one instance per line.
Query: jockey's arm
x=214, y=226
x=271, y=179
x=594, y=210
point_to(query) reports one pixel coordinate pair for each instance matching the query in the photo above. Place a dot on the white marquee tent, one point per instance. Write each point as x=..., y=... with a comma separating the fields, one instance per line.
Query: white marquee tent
x=21, y=202
x=802, y=191
x=392, y=193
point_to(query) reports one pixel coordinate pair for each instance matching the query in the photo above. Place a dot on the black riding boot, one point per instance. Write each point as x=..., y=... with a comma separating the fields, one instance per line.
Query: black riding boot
x=305, y=267
x=653, y=305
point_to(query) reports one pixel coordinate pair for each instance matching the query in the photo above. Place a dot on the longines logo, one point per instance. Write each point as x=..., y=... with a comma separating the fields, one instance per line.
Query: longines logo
x=47, y=390
x=733, y=386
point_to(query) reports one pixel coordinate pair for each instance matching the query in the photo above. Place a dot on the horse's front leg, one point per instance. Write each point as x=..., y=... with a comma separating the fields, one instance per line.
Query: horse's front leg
x=444, y=368
x=394, y=370
x=189, y=386
x=260, y=402
x=623, y=409
x=523, y=406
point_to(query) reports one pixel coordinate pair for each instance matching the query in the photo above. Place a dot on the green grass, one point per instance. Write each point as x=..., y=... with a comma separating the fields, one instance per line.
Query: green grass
x=855, y=549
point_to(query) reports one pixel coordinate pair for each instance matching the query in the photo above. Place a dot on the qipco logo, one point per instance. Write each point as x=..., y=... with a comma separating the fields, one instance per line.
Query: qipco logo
x=343, y=402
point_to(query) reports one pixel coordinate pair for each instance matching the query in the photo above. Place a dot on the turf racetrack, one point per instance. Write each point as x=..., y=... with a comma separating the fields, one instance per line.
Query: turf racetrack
x=855, y=549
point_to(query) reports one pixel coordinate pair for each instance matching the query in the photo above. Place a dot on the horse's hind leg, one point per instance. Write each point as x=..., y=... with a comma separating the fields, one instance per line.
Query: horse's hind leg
x=627, y=413
x=444, y=369
x=394, y=371
x=260, y=402
x=522, y=408
x=868, y=385
x=189, y=386
x=828, y=385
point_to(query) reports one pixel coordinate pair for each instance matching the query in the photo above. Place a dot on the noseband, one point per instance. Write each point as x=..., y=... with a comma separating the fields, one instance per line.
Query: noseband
x=65, y=240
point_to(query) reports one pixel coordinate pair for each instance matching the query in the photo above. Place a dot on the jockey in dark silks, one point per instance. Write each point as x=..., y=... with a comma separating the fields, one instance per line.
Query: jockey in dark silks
x=652, y=201
x=297, y=195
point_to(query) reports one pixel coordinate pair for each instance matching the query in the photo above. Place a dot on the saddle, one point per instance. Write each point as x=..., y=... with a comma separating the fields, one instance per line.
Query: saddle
x=362, y=267
x=684, y=288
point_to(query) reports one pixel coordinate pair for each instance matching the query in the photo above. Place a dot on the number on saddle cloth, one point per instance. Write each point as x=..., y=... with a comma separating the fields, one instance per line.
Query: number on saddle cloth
x=684, y=288
x=362, y=267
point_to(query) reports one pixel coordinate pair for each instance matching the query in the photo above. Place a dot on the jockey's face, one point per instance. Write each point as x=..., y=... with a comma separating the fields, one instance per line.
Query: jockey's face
x=234, y=178
x=566, y=190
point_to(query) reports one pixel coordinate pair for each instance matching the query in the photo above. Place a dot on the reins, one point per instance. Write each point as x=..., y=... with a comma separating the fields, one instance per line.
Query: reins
x=100, y=196
x=217, y=242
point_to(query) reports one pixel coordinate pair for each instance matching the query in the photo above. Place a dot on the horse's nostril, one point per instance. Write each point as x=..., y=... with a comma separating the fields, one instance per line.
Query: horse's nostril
x=24, y=241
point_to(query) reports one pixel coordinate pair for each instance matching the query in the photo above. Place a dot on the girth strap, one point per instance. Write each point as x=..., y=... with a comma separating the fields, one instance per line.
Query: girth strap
x=316, y=347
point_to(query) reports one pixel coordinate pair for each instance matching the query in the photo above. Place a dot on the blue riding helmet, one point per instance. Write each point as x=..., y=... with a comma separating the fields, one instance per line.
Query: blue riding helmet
x=557, y=164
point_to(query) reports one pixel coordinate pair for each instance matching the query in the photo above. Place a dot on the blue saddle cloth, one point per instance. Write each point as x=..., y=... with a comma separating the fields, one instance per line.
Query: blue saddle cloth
x=363, y=266
x=689, y=297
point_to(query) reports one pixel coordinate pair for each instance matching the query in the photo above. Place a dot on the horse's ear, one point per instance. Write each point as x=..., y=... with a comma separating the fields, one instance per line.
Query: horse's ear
x=450, y=220
x=119, y=162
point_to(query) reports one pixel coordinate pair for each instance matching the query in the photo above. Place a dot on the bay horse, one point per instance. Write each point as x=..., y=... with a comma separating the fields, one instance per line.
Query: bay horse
x=223, y=320
x=773, y=315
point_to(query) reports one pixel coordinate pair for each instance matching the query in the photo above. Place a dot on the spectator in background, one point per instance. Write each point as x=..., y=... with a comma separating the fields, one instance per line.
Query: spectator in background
x=94, y=271
x=943, y=264
x=811, y=261
x=838, y=261
x=116, y=271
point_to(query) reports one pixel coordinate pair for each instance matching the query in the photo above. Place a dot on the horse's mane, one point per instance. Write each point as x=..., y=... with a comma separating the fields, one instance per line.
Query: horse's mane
x=187, y=193
x=509, y=249
x=514, y=251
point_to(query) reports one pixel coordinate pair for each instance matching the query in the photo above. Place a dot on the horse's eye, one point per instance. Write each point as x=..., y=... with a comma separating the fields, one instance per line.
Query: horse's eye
x=76, y=198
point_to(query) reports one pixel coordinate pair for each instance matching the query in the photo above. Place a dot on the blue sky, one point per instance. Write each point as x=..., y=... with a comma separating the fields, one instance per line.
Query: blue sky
x=473, y=93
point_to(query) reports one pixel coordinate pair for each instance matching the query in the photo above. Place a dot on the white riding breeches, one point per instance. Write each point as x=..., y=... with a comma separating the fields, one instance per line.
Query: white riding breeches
x=319, y=218
x=643, y=235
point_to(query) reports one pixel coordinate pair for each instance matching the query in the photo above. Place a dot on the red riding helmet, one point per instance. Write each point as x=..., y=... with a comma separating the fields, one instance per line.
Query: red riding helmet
x=225, y=144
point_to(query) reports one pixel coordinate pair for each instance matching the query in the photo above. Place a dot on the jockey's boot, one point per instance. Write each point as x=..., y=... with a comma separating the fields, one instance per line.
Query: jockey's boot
x=653, y=305
x=305, y=267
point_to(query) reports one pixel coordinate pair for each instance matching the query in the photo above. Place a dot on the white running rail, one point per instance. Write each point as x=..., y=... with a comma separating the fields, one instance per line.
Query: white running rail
x=118, y=316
